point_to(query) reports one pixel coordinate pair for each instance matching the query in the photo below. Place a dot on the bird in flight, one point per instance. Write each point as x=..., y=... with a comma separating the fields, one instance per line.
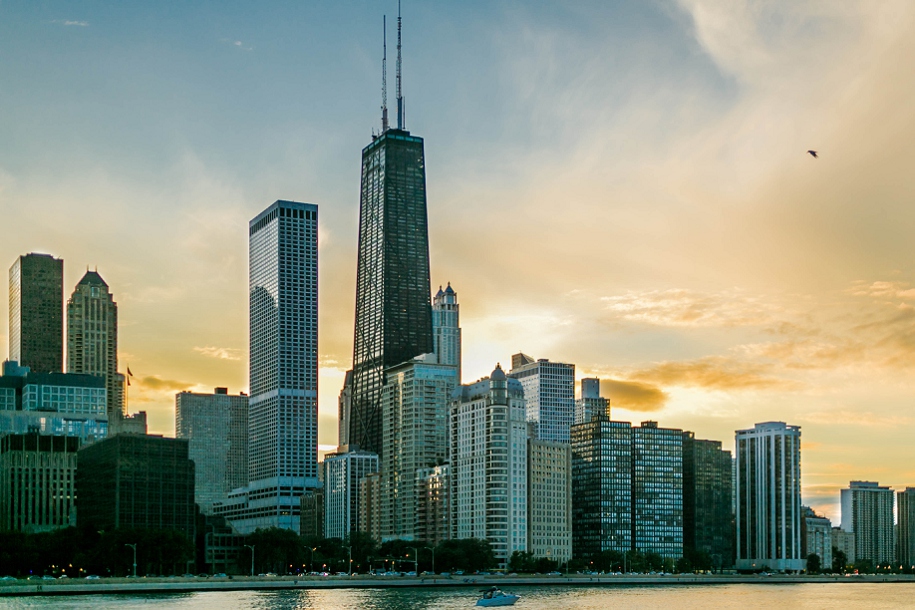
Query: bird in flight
x=813, y=154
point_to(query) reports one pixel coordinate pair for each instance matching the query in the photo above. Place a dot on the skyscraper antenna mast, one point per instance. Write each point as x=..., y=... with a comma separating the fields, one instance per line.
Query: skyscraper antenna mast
x=400, y=124
x=384, y=77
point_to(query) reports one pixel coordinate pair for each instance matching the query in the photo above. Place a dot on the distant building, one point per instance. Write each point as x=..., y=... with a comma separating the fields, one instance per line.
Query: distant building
x=312, y=514
x=434, y=506
x=845, y=542
x=591, y=401
x=92, y=338
x=905, y=528
x=549, y=394
x=342, y=473
x=769, y=524
x=549, y=522
x=601, y=486
x=37, y=313
x=708, y=523
x=446, y=328
x=489, y=464
x=216, y=428
x=344, y=412
x=415, y=410
x=867, y=512
x=37, y=476
x=370, y=505
x=657, y=489
x=817, y=538
x=57, y=404
x=136, y=482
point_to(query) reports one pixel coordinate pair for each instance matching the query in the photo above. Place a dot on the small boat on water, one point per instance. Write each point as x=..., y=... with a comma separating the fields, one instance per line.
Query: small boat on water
x=495, y=597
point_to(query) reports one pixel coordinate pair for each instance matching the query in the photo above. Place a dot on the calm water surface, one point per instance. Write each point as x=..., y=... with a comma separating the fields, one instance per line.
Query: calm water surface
x=784, y=597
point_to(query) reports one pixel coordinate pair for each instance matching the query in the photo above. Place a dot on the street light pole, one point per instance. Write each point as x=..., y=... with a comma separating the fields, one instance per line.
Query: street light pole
x=251, y=546
x=311, y=562
x=415, y=560
x=433, y=558
x=134, y=547
x=350, y=560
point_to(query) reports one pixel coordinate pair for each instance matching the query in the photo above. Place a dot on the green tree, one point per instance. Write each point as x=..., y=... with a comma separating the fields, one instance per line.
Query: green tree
x=813, y=563
x=276, y=550
x=839, y=561
x=363, y=546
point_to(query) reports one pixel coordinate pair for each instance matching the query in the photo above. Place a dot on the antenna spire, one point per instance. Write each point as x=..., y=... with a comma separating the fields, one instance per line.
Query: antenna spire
x=399, y=76
x=384, y=76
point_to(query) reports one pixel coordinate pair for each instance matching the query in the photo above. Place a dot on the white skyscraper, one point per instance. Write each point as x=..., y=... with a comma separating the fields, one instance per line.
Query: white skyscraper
x=446, y=328
x=769, y=498
x=342, y=473
x=549, y=391
x=867, y=512
x=282, y=408
x=489, y=463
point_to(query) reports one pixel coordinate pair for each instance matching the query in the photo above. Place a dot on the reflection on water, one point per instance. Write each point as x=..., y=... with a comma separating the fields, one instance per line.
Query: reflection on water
x=690, y=597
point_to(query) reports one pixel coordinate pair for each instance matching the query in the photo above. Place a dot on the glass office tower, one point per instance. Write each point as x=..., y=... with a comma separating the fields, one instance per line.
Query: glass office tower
x=37, y=313
x=393, y=297
x=282, y=416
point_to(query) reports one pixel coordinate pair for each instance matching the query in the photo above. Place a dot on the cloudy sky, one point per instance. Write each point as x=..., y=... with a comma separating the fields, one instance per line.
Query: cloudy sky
x=623, y=186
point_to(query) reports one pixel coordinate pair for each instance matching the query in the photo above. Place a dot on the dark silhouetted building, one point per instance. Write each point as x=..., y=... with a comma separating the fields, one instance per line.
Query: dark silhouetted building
x=601, y=486
x=136, y=482
x=37, y=476
x=37, y=313
x=393, y=298
x=708, y=524
x=657, y=489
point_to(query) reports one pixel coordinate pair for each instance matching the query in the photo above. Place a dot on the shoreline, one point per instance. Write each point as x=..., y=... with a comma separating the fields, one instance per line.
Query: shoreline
x=125, y=586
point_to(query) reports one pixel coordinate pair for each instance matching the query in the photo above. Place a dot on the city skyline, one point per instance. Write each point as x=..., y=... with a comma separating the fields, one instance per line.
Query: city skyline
x=650, y=210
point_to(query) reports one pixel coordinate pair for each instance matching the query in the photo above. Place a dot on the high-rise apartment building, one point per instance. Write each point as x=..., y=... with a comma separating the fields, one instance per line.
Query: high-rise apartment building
x=708, y=523
x=657, y=489
x=342, y=474
x=489, y=464
x=769, y=498
x=136, y=482
x=282, y=408
x=867, y=512
x=415, y=412
x=36, y=313
x=92, y=337
x=434, y=505
x=370, y=505
x=817, y=537
x=216, y=428
x=843, y=541
x=393, y=299
x=549, y=522
x=590, y=402
x=549, y=392
x=905, y=527
x=601, y=486
x=37, y=475
x=311, y=519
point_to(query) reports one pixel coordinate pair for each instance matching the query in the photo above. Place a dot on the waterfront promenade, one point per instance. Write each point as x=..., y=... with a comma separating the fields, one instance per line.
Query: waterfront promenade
x=245, y=583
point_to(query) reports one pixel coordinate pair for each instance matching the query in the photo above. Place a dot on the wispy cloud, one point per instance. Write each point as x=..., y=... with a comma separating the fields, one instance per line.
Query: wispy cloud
x=221, y=353
x=67, y=22
x=633, y=395
x=681, y=307
x=238, y=44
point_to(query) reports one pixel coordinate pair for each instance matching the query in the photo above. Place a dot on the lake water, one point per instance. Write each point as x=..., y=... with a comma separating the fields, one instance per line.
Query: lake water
x=687, y=597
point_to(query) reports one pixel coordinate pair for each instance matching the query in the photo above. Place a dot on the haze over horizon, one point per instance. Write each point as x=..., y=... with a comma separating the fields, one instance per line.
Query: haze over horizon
x=622, y=186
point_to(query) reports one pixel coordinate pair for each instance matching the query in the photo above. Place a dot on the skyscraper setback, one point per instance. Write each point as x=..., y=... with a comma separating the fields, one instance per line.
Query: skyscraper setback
x=393, y=297
x=37, y=313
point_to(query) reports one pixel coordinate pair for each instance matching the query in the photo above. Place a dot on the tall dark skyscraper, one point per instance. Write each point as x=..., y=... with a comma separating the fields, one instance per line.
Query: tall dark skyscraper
x=393, y=296
x=37, y=313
